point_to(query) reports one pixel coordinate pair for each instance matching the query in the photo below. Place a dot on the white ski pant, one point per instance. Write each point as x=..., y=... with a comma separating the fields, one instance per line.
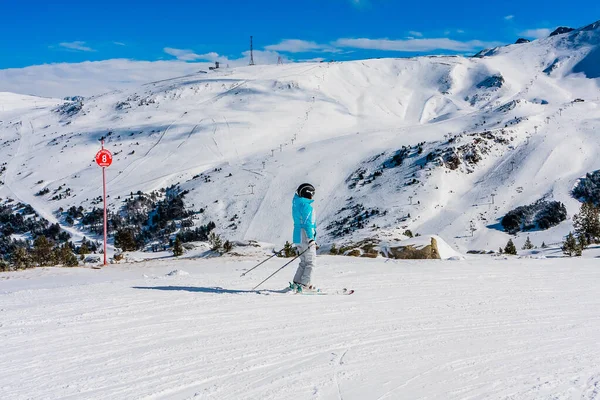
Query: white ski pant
x=308, y=261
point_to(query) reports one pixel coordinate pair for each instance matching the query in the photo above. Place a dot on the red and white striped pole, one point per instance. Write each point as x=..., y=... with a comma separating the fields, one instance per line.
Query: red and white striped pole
x=104, y=159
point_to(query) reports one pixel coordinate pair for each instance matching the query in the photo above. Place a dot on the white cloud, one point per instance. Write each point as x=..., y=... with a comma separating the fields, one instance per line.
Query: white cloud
x=181, y=54
x=75, y=46
x=300, y=46
x=119, y=43
x=260, y=57
x=316, y=59
x=509, y=17
x=189, y=55
x=415, y=34
x=536, y=33
x=411, y=45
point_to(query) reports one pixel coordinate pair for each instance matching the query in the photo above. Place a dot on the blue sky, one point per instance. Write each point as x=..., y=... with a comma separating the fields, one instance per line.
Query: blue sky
x=40, y=32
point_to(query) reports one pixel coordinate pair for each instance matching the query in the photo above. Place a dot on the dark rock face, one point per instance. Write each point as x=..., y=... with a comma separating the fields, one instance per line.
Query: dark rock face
x=486, y=53
x=591, y=27
x=561, y=29
x=522, y=40
x=495, y=81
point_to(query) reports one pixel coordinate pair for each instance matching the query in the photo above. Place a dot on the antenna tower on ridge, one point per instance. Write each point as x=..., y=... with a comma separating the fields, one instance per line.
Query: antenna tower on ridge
x=251, y=52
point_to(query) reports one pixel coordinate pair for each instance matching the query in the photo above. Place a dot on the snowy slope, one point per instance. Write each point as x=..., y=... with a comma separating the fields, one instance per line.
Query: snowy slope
x=487, y=328
x=90, y=77
x=275, y=127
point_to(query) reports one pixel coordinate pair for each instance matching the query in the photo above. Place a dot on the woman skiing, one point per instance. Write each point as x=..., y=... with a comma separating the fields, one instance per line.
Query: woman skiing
x=305, y=233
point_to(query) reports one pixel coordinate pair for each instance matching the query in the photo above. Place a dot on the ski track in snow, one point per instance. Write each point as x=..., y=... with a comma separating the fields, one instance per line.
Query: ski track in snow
x=479, y=329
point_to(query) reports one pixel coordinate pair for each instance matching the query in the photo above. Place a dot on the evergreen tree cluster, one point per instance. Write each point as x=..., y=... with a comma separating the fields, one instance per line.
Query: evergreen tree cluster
x=571, y=247
x=352, y=218
x=540, y=215
x=587, y=230
x=44, y=243
x=155, y=217
x=199, y=234
x=146, y=218
x=588, y=188
x=587, y=223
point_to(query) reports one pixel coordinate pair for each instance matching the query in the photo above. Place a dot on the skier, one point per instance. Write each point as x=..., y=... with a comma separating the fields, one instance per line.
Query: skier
x=305, y=233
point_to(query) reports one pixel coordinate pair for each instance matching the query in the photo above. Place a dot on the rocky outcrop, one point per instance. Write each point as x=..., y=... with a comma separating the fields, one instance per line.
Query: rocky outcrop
x=561, y=29
x=410, y=252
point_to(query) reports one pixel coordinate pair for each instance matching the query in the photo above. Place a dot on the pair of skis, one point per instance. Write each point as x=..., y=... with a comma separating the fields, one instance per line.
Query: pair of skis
x=297, y=289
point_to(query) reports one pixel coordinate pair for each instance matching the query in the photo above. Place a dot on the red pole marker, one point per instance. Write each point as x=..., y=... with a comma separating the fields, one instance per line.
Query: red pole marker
x=104, y=159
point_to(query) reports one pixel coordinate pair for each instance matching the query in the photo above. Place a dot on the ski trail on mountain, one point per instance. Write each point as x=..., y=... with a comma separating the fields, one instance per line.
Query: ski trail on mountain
x=23, y=194
x=190, y=135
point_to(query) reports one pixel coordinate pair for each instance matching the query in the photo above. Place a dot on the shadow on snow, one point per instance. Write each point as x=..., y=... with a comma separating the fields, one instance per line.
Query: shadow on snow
x=212, y=290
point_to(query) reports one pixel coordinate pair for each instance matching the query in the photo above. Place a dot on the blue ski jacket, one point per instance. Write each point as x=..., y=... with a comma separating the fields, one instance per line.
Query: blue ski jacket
x=304, y=218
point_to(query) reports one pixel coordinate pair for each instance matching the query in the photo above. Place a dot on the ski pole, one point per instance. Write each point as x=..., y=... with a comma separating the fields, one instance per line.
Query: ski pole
x=286, y=264
x=253, y=268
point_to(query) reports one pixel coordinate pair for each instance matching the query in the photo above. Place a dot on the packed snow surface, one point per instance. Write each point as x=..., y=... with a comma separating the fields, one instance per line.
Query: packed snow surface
x=484, y=328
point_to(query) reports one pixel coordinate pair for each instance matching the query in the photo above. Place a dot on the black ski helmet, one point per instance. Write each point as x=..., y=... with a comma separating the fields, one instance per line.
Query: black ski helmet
x=306, y=190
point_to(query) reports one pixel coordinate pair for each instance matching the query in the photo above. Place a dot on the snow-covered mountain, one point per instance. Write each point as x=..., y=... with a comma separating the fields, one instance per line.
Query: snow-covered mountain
x=436, y=145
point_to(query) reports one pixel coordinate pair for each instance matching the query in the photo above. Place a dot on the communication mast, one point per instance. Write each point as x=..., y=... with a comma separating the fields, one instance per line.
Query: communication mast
x=251, y=52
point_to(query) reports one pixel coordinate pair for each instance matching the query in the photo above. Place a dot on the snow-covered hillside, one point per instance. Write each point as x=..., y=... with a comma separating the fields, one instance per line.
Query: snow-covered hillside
x=437, y=145
x=90, y=77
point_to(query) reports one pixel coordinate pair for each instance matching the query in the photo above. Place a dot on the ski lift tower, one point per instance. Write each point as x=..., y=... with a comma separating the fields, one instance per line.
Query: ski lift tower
x=251, y=52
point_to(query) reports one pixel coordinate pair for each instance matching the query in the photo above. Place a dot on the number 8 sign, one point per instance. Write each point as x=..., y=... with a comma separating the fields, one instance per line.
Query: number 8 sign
x=104, y=158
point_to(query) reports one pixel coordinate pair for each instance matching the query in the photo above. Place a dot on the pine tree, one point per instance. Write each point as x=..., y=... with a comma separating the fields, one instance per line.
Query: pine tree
x=334, y=250
x=125, y=239
x=20, y=258
x=544, y=246
x=582, y=242
x=4, y=266
x=227, y=246
x=528, y=245
x=570, y=247
x=42, y=251
x=56, y=257
x=177, y=247
x=68, y=259
x=289, y=250
x=587, y=222
x=510, y=248
x=84, y=249
x=501, y=250
x=215, y=241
